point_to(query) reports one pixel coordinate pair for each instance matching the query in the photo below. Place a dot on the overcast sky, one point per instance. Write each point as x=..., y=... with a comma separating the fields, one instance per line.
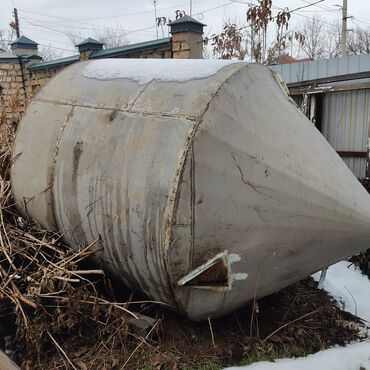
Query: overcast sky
x=48, y=21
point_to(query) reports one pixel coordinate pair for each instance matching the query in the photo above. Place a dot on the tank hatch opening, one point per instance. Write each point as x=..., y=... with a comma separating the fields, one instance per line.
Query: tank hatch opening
x=215, y=274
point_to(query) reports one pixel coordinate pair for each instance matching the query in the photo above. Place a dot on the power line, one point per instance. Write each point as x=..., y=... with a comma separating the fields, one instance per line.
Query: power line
x=49, y=39
x=367, y=21
x=57, y=24
x=112, y=16
x=293, y=10
x=47, y=26
x=128, y=32
x=55, y=47
x=306, y=6
x=320, y=6
x=289, y=11
x=298, y=13
x=361, y=20
x=216, y=7
x=50, y=28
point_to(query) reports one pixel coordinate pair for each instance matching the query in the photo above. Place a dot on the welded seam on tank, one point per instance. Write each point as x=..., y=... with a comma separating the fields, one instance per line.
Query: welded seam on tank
x=174, y=195
x=128, y=111
x=51, y=174
x=141, y=92
x=192, y=205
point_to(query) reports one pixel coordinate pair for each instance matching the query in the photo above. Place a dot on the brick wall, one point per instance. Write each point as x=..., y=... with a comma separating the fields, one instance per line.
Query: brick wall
x=187, y=45
x=18, y=83
x=13, y=86
x=38, y=78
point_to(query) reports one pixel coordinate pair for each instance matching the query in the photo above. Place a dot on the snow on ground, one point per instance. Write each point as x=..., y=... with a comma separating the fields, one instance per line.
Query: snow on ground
x=351, y=289
x=352, y=357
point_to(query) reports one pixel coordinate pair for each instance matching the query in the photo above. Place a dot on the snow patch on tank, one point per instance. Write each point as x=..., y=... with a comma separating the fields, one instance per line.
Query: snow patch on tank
x=146, y=70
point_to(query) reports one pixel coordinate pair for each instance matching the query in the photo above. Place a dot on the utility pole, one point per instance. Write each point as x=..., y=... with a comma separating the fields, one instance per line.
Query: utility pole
x=155, y=15
x=344, y=28
x=16, y=22
x=191, y=7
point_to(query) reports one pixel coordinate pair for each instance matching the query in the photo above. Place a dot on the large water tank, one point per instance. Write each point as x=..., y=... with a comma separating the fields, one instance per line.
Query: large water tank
x=202, y=180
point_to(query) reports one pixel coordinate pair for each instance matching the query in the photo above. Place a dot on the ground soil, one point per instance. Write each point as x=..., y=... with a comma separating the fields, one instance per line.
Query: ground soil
x=296, y=321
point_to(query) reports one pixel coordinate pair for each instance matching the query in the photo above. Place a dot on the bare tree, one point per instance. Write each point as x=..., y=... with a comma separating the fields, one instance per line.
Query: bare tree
x=358, y=41
x=260, y=17
x=332, y=40
x=111, y=36
x=229, y=44
x=322, y=39
x=313, y=29
x=49, y=53
x=7, y=36
x=74, y=37
x=274, y=51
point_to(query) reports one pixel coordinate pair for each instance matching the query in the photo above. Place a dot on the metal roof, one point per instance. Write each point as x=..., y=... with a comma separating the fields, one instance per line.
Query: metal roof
x=55, y=63
x=122, y=50
x=12, y=58
x=127, y=49
x=344, y=114
x=23, y=40
x=90, y=40
x=186, y=24
x=317, y=69
x=186, y=19
x=8, y=56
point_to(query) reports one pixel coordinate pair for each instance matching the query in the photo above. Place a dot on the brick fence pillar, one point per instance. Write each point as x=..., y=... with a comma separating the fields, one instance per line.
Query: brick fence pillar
x=88, y=46
x=187, y=39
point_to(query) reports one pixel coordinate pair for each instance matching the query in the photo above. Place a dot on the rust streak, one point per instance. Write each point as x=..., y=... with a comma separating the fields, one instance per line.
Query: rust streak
x=51, y=174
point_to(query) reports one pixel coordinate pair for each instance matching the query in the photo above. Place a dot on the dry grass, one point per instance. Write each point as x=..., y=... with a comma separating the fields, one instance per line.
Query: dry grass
x=46, y=297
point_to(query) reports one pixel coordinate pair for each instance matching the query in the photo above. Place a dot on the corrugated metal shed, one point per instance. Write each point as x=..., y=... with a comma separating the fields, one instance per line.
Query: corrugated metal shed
x=305, y=71
x=342, y=116
x=345, y=124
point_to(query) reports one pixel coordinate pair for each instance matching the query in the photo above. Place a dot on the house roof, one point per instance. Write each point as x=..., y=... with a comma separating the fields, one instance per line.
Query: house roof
x=23, y=40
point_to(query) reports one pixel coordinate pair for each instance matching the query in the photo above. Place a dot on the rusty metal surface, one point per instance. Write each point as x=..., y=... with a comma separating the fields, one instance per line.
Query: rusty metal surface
x=206, y=192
